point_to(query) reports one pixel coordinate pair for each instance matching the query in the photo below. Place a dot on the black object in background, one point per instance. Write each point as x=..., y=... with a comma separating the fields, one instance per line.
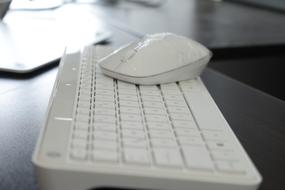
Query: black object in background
x=4, y=7
x=270, y=4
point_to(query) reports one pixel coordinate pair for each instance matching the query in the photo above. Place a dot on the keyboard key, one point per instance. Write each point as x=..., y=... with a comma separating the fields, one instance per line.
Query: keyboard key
x=79, y=143
x=167, y=157
x=226, y=156
x=230, y=167
x=156, y=111
x=87, y=75
x=103, y=83
x=169, y=86
x=78, y=154
x=105, y=155
x=135, y=142
x=157, y=118
x=125, y=85
x=80, y=134
x=83, y=111
x=148, y=88
x=171, y=91
x=200, y=107
x=150, y=92
x=86, y=86
x=128, y=91
x=176, y=103
x=130, y=110
x=124, y=103
x=84, y=98
x=105, y=86
x=82, y=118
x=136, y=156
x=108, y=105
x=173, y=97
x=85, y=91
x=181, y=116
x=161, y=134
x=146, y=98
x=131, y=117
x=104, y=126
x=104, y=135
x=105, y=111
x=182, y=132
x=105, y=119
x=159, y=142
x=178, y=110
x=190, y=85
x=184, y=124
x=132, y=125
x=103, y=79
x=104, y=144
x=197, y=157
x=81, y=126
x=133, y=133
x=104, y=98
x=215, y=136
x=222, y=146
x=159, y=126
x=150, y=104
x=128, y=97
x=190, y=141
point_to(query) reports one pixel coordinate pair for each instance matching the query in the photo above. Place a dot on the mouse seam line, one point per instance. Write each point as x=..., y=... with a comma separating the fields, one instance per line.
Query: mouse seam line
x=155, y=74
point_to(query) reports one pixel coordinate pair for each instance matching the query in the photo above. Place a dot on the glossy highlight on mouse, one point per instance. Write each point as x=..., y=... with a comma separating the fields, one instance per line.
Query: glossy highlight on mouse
x=157, y=59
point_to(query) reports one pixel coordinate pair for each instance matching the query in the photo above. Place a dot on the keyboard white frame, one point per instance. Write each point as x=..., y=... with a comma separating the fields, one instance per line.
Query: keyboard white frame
x=55, y=172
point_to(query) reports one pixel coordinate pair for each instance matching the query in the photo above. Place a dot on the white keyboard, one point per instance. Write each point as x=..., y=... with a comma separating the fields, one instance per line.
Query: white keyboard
x=102, y=132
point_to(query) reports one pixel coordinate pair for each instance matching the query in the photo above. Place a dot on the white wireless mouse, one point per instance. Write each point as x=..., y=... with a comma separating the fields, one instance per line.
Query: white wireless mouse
x=156, y=59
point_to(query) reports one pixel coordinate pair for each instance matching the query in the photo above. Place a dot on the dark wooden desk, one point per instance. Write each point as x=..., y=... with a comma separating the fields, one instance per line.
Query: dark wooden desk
x=215, y=24
x=256, y=118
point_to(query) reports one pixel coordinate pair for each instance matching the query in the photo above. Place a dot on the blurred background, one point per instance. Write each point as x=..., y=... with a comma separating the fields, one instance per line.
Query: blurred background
x=246, y=36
